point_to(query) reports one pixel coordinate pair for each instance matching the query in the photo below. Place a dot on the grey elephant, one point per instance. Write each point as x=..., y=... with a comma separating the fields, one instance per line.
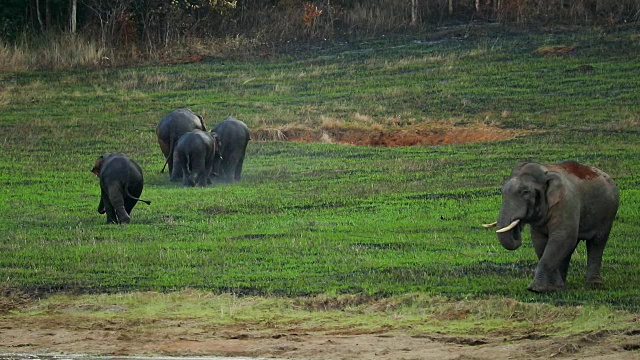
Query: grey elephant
x=196, y=154
x=121, y=184
x=563, y=203
x=171, y=128
x=234, y=137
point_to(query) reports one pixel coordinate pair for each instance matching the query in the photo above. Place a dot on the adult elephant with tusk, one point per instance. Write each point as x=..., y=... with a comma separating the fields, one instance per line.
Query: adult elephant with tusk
x=562, y=203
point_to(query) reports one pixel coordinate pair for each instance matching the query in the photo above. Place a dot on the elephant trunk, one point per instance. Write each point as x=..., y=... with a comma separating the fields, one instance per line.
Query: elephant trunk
x=509, y=231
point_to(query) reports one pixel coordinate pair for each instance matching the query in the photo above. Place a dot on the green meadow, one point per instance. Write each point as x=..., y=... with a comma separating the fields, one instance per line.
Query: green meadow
x=321, y=218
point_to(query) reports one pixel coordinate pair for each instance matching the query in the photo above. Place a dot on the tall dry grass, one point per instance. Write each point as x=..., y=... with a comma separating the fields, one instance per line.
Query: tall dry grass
x=55, y=50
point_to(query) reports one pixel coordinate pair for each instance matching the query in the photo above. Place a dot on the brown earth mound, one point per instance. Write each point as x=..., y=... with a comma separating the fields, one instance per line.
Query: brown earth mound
x=414, y=136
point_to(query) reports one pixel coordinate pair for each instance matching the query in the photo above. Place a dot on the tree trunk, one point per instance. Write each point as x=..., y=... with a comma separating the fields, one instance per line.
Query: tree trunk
x=47, y=15
x=74, y=11
x=39, y=16
x=414, y=12
x=450, y=7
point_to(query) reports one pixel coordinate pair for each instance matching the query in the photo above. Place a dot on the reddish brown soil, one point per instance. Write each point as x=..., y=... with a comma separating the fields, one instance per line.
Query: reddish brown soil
x=414, y=136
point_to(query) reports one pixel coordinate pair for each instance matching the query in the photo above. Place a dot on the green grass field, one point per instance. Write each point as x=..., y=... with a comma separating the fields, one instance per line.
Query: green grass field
x=321, y=218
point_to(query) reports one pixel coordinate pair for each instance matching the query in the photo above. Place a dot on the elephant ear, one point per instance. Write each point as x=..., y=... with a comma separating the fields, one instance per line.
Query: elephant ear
x=555, y=188
x=216, y=139
x=98, y=165
x=204, y=128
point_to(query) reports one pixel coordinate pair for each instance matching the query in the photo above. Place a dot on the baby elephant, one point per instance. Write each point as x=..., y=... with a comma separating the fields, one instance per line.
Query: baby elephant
x=120, y=184
x=195, y=156
x=234, y=137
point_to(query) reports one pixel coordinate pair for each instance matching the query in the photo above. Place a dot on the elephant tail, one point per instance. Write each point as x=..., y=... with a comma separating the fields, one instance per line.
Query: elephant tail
x=166, y=160
x=126, y=190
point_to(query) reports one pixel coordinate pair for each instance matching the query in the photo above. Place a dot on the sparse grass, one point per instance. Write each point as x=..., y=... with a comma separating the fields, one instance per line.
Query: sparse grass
x=311, y=219
x=413, y=313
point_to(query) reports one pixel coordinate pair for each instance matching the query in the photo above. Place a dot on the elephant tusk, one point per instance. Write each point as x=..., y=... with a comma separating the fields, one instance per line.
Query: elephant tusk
x=509, y=227
x=493, y=224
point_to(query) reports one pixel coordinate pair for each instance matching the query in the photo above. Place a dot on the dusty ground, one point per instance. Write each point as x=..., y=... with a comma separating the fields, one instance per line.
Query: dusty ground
x=40, y=335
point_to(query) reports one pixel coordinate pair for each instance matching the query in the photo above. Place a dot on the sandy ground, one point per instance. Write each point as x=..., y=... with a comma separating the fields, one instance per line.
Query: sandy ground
x=180, y=338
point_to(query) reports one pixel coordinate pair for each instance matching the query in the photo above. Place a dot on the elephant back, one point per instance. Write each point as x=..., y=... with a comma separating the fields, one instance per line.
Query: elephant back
x=232, y=132
x=177, y=123
x=195, y=137
x=120, y=168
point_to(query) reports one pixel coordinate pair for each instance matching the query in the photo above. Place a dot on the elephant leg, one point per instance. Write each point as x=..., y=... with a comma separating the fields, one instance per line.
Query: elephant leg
x=227, y=168
x=564, y=265
x=123, y=216
x=170, y=164
x=208, y=171
x=108, y=209
x=187, y=171
x=101, y=205
x=175, y=170
x=539, y=241
x=116, y=198
x=559, y=247
x=198, y=165
x=595, y=249
x=203, y=177
x=238, y=170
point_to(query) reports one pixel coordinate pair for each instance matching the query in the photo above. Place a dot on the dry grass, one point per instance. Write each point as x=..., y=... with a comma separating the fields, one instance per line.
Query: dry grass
x=557, y=50
x=52, y=51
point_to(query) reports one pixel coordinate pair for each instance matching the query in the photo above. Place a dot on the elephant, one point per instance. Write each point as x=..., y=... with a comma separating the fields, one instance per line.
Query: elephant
x=563, y=203
x=121, y=184
x=196, y=154
x=169, y=130
x=234, y=137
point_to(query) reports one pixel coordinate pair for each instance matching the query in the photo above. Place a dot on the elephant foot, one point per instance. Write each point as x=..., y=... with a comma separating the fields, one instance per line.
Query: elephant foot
x=123, y=217
x=595, y=282
x=543, y=288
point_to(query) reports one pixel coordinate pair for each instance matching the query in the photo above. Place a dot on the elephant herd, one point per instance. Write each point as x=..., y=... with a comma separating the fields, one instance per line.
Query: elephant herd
x=194, y=155
x=563, y=203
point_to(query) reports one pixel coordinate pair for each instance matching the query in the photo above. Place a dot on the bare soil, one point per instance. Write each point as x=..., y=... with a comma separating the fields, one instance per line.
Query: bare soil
x=54, y=334
x=388, y=137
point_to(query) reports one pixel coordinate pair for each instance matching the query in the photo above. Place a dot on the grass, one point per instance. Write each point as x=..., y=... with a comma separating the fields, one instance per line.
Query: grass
x=413, y=313
x=322, y=219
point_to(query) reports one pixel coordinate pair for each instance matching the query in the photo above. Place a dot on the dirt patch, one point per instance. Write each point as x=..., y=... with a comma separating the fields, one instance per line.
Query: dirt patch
x=558, y=50
x=171, y=337
x=411, y=136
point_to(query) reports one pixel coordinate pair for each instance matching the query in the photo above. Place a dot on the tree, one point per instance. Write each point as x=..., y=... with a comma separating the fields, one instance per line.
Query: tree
x=414, y=12
x=74, y=15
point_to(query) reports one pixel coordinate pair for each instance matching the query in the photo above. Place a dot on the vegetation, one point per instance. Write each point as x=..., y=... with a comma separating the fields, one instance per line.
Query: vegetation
x=323, y=219
x=38, y=34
